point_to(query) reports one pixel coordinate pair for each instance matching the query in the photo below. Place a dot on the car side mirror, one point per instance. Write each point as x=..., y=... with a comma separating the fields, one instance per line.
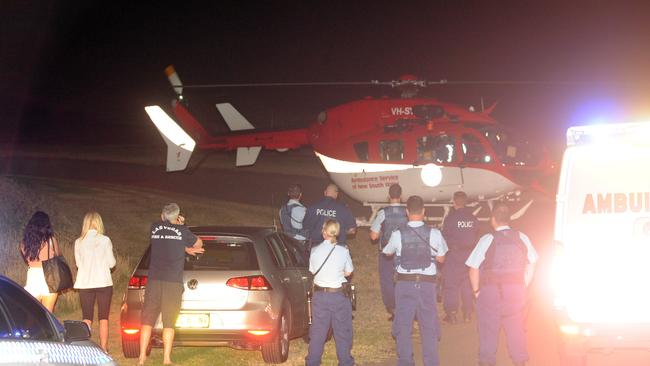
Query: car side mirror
x=76, y=331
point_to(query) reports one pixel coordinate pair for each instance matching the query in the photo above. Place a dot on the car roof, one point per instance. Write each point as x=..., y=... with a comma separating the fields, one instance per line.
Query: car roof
x=248, y=231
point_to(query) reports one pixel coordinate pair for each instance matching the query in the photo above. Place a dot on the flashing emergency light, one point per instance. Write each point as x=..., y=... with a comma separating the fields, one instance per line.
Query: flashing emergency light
x=633, y=133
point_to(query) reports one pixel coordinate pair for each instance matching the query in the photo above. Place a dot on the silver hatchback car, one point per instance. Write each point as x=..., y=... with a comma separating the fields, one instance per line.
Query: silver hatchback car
x=247, y=291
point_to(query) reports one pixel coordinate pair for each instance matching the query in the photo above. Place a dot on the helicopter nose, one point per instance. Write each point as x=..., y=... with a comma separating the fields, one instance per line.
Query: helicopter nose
x=431, y=175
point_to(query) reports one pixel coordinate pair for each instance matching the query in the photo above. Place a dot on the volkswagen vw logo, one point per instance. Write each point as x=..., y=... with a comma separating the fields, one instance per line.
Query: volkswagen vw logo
x=192, y=284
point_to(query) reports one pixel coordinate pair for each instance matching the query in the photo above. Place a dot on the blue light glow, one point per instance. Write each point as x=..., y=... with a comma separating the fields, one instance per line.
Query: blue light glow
x=597, y=111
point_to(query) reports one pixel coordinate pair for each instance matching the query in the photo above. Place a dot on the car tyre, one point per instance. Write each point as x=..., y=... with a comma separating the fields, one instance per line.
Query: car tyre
x=131, y=347
x=277, y=350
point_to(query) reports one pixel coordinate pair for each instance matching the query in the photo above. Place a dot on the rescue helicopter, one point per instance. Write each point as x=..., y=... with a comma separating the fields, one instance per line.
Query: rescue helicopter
x=430, y=147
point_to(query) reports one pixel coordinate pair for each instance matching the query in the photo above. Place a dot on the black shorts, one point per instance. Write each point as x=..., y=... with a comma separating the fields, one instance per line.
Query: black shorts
x=162, y=297
x=87, y=298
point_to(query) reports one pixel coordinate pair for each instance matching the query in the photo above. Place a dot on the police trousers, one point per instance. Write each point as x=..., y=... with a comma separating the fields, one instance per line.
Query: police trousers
x=501, y=305
x=386, y=266
x=416, y=300
x=456, y=286
x=330, y=309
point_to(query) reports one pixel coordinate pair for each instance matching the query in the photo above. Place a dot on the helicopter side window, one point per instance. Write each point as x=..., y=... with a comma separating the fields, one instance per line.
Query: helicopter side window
x=361, y=148
x=391, y=150
x=473, y=150
x=436, y=149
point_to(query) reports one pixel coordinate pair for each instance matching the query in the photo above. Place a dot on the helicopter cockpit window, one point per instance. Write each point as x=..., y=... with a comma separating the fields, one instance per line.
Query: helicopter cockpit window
x=473, y=151
x=361, y=148
x=510, y=150
x=436, y=149
x=391, y=150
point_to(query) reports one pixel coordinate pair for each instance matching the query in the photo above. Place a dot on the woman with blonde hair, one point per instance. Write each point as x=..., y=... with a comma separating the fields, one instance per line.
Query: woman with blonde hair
x=330, y=263
x=93, y=253
x=38, y=245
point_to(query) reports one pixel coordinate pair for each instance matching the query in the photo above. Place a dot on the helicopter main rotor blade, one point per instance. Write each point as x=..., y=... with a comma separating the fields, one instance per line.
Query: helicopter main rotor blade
x=255, y=85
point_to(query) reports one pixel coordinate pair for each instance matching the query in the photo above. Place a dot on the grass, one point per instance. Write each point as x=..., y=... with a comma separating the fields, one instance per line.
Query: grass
x=127, y=214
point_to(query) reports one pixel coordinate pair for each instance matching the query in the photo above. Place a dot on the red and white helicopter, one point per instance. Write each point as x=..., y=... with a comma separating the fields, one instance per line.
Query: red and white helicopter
x=431, y=148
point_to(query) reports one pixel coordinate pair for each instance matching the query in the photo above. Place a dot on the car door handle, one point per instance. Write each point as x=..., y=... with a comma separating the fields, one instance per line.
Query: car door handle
x=304, y=278
x=285, y=280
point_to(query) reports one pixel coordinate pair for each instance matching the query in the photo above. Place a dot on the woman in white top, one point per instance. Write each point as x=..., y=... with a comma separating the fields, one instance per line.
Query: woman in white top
x=93, y=252
x=39, y=244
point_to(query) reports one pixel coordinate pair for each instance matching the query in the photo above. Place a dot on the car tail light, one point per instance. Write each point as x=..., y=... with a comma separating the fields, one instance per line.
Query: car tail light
x=253, y=283
x=138, y=282
x=131, y=331
x=259, y=332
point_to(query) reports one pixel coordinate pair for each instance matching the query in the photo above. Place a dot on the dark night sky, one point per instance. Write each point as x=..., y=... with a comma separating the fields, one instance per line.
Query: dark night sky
x=82, y=70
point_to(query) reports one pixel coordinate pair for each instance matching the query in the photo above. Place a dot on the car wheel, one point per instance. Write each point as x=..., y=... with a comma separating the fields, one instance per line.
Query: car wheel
x=131, y=347
x=277, y=350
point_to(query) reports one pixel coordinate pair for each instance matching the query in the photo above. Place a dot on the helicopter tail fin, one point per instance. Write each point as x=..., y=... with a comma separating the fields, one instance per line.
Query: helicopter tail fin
x=180, y=145
x=237, y=122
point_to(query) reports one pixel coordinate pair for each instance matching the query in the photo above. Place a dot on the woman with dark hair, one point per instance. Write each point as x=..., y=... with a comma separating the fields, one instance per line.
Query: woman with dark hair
x=39, y=244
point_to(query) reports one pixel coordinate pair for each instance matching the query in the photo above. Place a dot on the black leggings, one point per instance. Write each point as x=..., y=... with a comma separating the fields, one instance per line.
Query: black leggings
x=87, y=297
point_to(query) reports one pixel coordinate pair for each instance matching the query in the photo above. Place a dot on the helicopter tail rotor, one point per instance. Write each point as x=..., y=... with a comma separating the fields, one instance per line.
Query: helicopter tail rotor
x=174, y=80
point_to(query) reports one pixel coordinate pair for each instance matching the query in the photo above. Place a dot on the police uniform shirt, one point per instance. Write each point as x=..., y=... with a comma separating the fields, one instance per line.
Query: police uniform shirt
x=328, y=208
x=332, y=274
x=436, y=241
x=478, y=254
x=379, y=219
x=297, y=216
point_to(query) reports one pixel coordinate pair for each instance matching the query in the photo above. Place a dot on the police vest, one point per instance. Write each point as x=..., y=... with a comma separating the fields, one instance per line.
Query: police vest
x=287, y=221
x=416, y=249
x=394, y=218
x=461, y=229
x=506, y=259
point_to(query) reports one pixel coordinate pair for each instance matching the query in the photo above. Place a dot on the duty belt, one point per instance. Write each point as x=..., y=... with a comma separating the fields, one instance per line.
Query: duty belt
x=328, y=289
x=415, y=277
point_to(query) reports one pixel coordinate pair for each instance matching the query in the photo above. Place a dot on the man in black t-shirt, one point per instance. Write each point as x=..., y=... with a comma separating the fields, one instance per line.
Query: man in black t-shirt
x=170, y=241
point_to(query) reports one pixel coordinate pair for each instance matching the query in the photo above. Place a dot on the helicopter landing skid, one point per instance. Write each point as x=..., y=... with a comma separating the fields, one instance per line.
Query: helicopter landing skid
x=435, y=213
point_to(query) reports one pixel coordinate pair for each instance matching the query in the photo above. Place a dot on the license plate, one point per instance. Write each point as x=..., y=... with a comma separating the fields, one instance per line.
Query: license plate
x=193, y=321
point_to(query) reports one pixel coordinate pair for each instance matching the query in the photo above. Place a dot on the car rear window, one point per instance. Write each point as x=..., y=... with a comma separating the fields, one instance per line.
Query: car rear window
x=227, y=253
x=224, y=255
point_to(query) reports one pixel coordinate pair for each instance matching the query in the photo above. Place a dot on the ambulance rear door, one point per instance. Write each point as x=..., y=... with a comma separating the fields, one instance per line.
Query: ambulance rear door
x=602, y=230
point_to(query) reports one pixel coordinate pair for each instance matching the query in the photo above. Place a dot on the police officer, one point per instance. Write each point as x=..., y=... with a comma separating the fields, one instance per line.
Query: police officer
x=293, y=213
x=388, y=219
x=416, y=247
x=329, y=209
x=460, y=229
x=501, y=267
x=330, y=307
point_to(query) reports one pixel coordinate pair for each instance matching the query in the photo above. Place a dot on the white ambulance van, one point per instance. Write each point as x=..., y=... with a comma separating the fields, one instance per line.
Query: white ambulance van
x=601, y=269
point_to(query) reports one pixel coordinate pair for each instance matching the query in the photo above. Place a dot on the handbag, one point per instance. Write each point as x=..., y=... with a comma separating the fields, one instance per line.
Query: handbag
x=58, y=275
